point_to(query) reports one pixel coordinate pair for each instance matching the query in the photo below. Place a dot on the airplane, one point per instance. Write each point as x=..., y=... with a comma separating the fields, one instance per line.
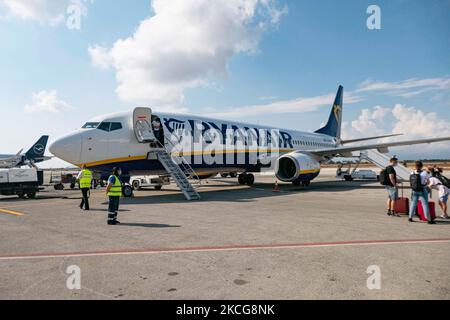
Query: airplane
x=114, y=141
x=32, y=156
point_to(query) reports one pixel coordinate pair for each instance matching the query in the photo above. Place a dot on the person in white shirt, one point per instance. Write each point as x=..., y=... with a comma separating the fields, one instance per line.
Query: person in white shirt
x=444, y=193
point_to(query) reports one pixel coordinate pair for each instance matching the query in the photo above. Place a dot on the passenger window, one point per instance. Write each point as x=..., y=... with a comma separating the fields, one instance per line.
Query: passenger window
x=116, y=126
x=104, y=126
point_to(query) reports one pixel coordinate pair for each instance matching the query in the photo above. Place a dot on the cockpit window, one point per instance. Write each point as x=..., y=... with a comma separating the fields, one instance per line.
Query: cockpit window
x=91, y=125
x=104, y=126
x=116, y=126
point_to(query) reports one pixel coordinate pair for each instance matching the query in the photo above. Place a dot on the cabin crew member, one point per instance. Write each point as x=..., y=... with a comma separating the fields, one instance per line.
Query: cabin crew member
x=85, y=180
x=444, y=193
x=156, y=124
x=114, y=192
x=392, y=187
x=421, y=192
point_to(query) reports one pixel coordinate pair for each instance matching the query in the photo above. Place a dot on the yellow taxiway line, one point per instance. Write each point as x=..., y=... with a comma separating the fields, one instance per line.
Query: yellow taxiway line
x=15, y=213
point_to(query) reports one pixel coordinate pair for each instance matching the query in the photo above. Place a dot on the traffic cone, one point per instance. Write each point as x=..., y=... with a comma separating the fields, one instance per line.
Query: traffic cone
x=276, y=187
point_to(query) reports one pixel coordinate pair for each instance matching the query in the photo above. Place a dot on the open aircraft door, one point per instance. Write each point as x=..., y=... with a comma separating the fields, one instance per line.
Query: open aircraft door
x=142, y=125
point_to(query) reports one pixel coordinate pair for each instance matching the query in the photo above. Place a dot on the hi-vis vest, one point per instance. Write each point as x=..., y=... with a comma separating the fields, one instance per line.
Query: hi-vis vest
x=116, y=189
x=86, y=180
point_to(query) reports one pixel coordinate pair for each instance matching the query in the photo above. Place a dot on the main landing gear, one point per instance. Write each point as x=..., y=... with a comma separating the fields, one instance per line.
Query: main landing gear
x=298, y=183
x=246, y=179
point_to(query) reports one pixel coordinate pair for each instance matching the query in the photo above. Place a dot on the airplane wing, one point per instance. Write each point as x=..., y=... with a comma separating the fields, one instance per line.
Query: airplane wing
x=371, y=138
x=380, y=146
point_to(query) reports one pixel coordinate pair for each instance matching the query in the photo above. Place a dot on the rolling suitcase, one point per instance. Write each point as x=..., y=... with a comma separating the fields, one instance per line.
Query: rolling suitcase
x=402, y=205
x=421, y=213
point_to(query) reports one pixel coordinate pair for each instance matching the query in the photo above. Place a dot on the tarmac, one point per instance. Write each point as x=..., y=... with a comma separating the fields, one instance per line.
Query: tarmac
x=320, y=242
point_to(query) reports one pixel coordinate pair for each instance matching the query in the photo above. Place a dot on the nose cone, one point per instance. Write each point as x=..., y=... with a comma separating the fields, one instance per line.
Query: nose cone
x=67, y=148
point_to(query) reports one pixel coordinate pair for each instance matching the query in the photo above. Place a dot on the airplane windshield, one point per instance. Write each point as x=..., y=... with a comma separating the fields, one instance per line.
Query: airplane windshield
x=91, y=125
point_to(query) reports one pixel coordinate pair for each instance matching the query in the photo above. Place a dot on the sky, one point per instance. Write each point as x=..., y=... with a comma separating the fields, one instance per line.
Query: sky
x=271, y=62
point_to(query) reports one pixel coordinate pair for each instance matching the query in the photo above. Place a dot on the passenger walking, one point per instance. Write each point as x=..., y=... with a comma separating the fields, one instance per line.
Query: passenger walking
x=419, y=184
x=85, y=181
x=391, y=183
x=114, y=192
x=444, y=192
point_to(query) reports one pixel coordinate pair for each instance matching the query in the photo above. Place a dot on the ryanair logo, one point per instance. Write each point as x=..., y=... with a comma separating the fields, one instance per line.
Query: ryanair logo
x=337, y=111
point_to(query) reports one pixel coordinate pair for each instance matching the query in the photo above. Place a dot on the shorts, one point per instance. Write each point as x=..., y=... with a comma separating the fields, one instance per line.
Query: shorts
x=444, y=199
x=393, y=193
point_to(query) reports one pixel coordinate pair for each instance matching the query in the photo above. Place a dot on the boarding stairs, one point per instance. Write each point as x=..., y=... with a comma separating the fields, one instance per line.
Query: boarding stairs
x=382, y=161
x=180, y=170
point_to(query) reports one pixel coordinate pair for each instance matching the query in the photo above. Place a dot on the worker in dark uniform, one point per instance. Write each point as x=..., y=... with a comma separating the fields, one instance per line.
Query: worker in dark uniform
x=114, y=192
x=85, y=180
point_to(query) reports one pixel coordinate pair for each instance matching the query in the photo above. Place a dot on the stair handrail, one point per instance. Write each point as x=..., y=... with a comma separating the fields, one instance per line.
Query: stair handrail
x=186, y=167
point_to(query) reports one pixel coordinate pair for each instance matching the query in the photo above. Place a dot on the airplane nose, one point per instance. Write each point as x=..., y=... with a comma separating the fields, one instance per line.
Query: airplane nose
x=67, y=148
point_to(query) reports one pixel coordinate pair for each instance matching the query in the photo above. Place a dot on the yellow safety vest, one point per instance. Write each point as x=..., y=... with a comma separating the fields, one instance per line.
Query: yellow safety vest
x=116, y=189
x=86, y=180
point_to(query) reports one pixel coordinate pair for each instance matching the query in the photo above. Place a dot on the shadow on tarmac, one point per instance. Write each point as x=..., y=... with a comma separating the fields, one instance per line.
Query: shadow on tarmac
x=148, y=225
x=259, y=190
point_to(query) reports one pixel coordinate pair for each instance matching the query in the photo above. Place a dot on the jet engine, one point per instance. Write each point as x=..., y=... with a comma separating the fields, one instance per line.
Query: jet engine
x=297, y=168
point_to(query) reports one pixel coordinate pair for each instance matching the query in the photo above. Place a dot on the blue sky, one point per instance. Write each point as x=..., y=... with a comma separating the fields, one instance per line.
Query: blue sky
x=280, y=65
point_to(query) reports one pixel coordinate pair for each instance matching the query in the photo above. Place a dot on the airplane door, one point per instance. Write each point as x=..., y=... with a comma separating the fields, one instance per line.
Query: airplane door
x=142, y=125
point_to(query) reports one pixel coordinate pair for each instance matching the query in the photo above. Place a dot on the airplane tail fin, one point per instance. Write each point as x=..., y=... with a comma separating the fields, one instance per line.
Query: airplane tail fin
x=38, y=149
x=334, y=125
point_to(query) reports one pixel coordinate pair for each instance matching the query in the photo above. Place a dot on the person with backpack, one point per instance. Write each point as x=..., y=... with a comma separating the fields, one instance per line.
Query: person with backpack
x=419, y=180
x=443, y=179
x=444, y=193
x=388, y=178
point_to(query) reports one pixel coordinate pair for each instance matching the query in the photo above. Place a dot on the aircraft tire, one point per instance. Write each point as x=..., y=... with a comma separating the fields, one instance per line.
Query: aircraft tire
x=242, y=179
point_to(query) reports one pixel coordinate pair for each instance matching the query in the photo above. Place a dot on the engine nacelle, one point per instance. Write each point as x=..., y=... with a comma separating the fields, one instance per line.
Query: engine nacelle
x=298, y=167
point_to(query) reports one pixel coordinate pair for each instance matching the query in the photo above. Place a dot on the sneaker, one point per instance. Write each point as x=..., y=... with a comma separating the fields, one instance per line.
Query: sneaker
x=410, y=220
x=116, y=222
x=389, y=213
x=446, y=217
x=432, y=222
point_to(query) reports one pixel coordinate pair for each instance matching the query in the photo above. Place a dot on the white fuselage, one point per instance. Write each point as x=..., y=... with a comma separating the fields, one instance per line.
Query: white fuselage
x=110, y=141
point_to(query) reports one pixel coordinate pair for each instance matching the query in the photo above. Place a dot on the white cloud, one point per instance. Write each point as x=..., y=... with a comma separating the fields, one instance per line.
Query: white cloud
x=419, y=124
x=407, y=88
x=47, y=101
x=51, y=12
x=369, y=121
x=286, y=106
x=413, y=122
x=186, y=44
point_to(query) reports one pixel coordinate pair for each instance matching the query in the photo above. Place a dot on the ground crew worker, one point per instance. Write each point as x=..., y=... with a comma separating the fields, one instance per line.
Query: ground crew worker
x=114, y=192
x=85, y=180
